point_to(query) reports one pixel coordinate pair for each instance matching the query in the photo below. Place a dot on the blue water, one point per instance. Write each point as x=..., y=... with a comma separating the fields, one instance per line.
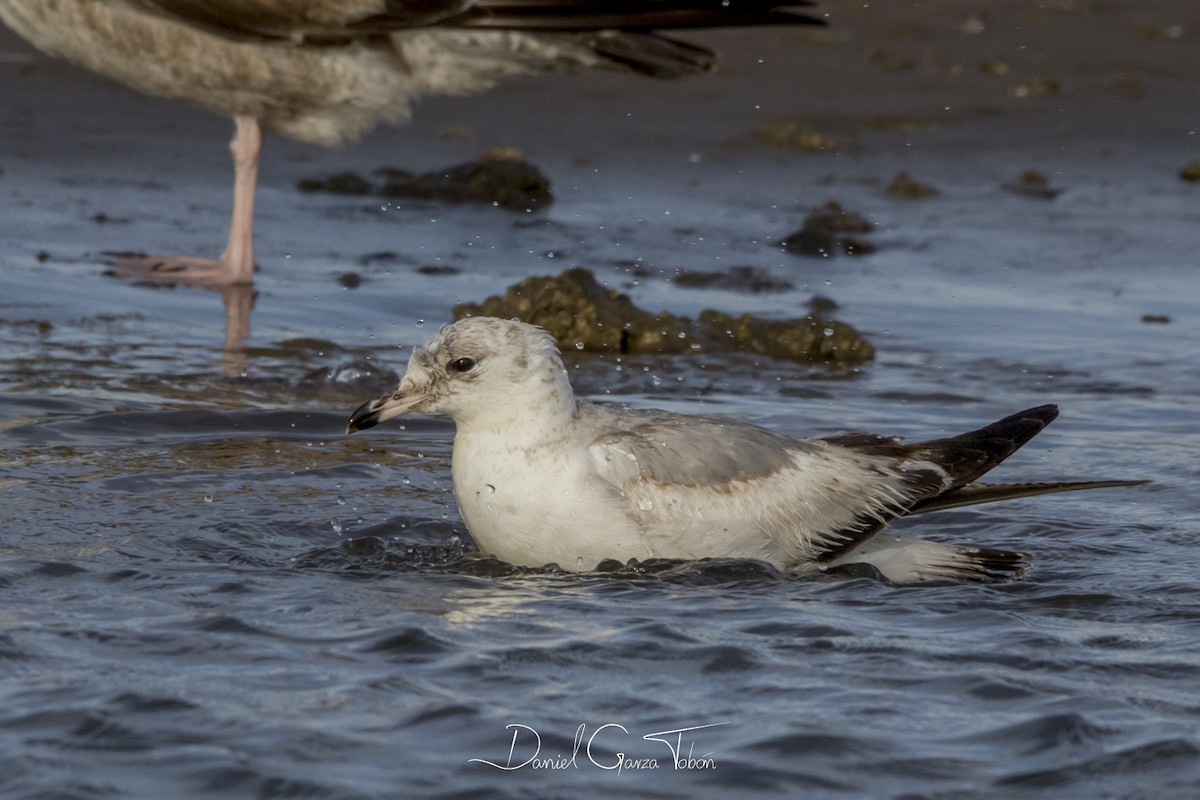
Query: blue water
x=207, y=590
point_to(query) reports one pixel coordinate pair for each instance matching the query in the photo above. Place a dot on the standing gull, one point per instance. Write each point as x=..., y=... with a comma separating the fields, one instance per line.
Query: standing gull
x=542, y=478
x=327, y=71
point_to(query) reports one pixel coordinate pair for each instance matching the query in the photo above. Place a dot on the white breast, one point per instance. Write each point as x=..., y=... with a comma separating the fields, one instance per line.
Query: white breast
x=536, y=506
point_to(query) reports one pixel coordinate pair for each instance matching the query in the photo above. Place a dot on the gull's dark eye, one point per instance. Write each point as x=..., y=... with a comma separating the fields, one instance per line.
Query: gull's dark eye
x=462, y=365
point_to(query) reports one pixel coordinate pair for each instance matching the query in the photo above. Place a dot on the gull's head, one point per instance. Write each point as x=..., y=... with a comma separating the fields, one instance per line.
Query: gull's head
x=477, y=367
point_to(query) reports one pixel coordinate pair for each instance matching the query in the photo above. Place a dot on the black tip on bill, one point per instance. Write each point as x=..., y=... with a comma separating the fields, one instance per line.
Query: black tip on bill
x=365, y=416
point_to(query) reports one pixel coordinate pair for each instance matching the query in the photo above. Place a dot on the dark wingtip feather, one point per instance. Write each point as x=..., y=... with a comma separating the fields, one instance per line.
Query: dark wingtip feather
x=970, y=455
x=961, y=565
x=656, y=56
x=630, y=15
x=627, y=32
x=1001, y=565
x=985, y=565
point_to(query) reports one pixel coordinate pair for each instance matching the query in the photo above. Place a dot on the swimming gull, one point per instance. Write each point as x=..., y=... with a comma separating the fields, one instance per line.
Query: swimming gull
x=327, y=71
x=542, y=478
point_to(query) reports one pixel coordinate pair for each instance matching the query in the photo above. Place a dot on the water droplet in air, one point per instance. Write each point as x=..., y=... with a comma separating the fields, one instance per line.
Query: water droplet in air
x=336, y=524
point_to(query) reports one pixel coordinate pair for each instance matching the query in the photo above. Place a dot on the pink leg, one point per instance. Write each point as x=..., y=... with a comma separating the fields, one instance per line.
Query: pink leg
x=236, y=265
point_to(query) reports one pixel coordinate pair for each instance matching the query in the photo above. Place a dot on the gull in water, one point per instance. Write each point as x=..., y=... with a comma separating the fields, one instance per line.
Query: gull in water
x=542, y=478
x=328, y=71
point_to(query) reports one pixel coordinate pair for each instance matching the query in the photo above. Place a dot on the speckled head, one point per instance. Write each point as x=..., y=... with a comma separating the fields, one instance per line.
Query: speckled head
x=476, y=367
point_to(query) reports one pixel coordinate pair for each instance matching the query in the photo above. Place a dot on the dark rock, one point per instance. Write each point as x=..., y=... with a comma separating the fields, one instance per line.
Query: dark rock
x=582, y=314
x=350, y=183
x=1032, y=183
x=832, y=218
x=856, y=246
x=381, y=257
x=906, y=188
x=395, y=174
x=40, y=326
x=820, y=304
x=578, y=310
x=100, y=218
x=808, y=339
x=825, y=233
x=811, y=243
x=511, y=183
x=796, y=136
x=501, y=178
x=737, y=279
x=432, y=269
